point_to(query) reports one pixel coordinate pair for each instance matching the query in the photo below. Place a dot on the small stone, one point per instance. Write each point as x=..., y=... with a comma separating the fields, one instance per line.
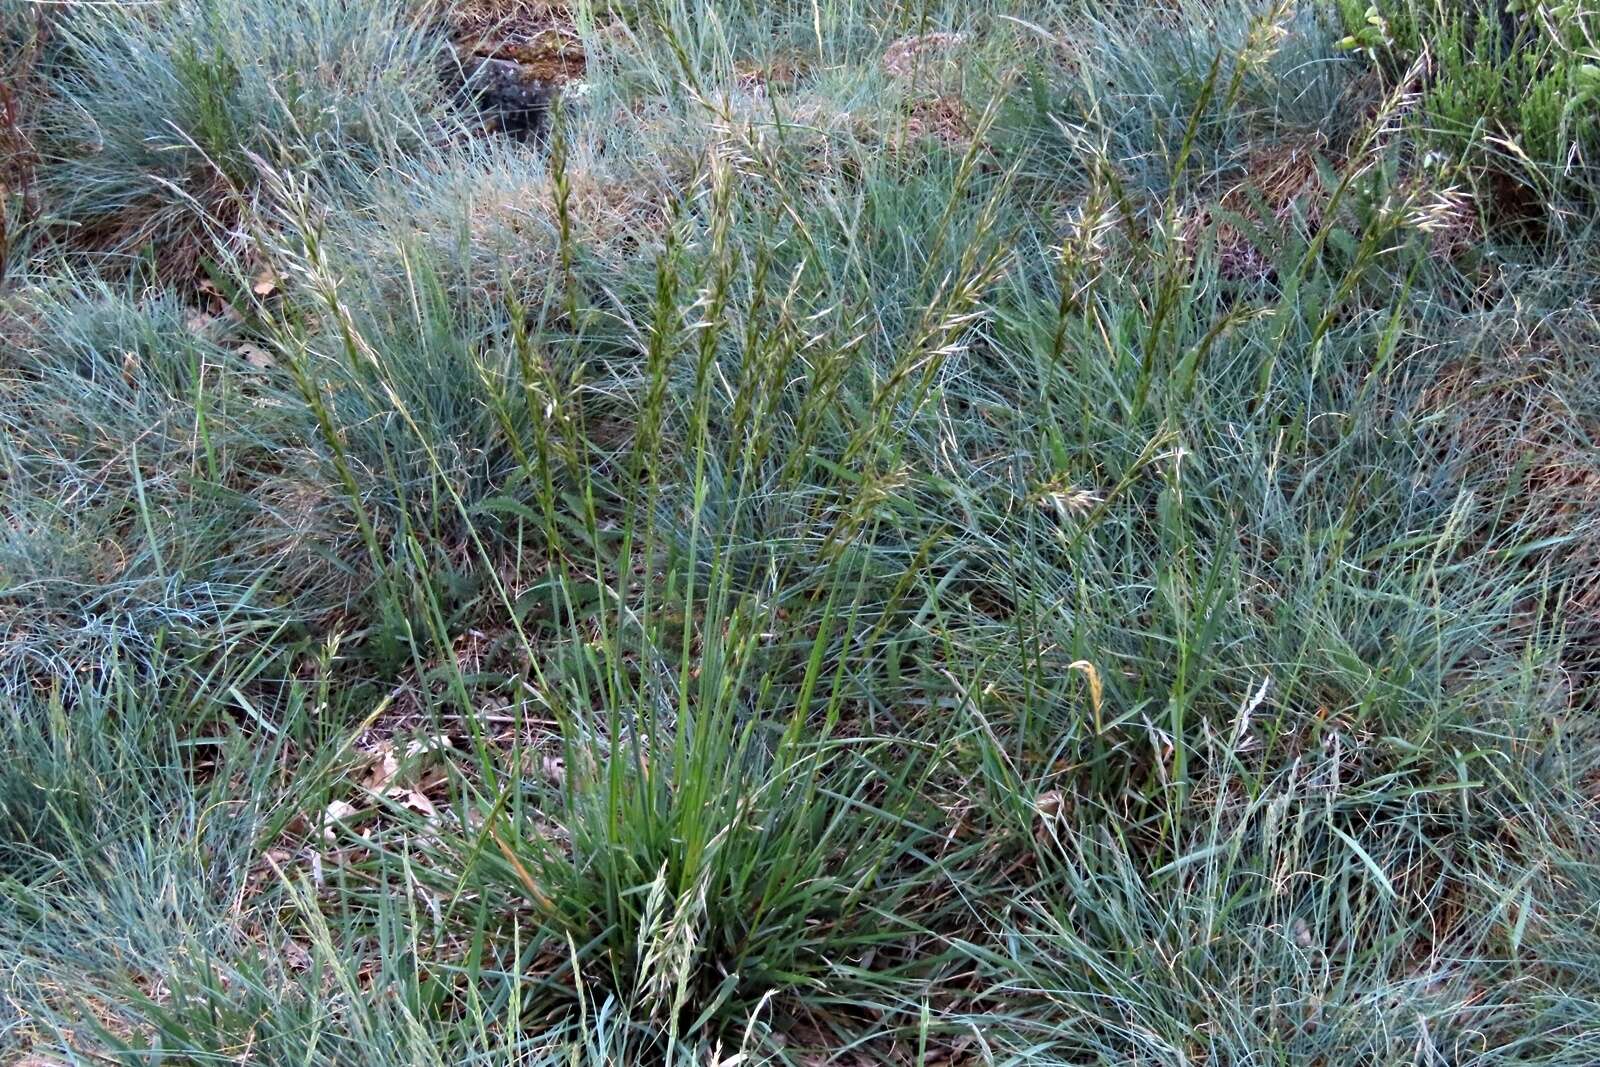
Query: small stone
x=514, y=98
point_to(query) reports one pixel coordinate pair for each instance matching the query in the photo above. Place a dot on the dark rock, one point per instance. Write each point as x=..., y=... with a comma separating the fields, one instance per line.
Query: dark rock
x=512, y=97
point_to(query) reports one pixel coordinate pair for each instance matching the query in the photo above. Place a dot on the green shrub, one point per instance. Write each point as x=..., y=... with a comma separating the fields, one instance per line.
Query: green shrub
x=1512, y=82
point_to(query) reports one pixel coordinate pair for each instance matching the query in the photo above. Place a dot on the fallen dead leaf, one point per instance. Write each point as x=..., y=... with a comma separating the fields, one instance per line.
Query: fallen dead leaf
x=436, y=743
x=296, y=955
x=256, y=356
x=266, y=283
x=200, y=322
x=383, y=768
x=337, y=812
x=415, y=801
x=554, y=768
x=273, y=862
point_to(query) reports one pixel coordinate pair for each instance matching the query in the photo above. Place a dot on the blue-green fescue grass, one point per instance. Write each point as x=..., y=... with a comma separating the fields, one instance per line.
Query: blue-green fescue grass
x=840, y=564
x=1133, y=86
x=109, y=393
x=156, y=116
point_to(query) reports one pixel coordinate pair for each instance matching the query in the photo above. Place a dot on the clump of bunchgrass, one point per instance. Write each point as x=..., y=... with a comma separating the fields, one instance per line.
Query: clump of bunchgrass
x=1147, y=88
x=158, y=115
x=158, y=483
x=24, y=46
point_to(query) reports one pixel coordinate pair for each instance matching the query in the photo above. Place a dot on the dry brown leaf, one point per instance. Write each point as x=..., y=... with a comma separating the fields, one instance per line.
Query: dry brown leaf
x=296, y=955
x=200, y=322
x=554, y=768
x=415, y=801
x=436, y=743
x=383, y=768
x=266, y=283
x=431, y=781
x=1048, y=804
x=336, y=812
x=256, y=356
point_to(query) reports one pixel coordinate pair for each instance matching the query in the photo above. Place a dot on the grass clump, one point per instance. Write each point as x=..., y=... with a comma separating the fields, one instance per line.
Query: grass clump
x=157, y=117
x=129, y=419
x=911, y=536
